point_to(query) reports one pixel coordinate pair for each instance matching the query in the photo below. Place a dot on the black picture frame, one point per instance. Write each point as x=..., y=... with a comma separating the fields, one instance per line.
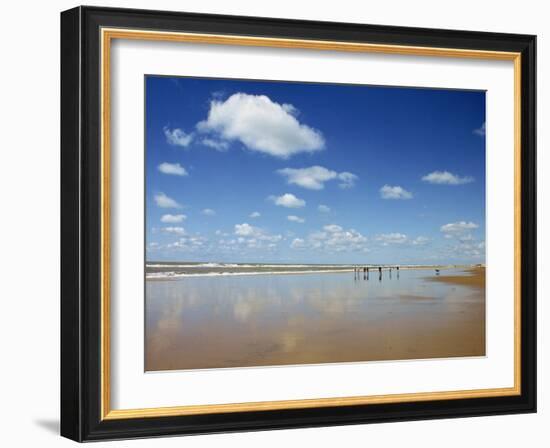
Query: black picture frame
x=81, y=224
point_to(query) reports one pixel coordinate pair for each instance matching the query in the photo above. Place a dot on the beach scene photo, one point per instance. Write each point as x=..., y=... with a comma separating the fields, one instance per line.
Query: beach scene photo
x=293, y=223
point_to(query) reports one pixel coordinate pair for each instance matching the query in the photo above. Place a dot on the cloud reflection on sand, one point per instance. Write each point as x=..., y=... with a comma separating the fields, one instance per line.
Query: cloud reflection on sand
x=313, y=318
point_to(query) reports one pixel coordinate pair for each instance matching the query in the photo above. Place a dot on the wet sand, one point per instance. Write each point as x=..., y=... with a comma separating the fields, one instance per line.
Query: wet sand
x=474, y=277
x=269, y=320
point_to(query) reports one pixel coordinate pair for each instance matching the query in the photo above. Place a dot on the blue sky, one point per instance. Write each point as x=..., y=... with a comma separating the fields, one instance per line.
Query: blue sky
x=259, y=171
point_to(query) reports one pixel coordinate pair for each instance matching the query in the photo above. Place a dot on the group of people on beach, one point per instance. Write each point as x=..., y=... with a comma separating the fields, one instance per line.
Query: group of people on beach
x=366, y=269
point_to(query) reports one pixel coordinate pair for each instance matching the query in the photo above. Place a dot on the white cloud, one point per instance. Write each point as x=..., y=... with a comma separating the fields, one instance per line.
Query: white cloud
x=218, y=145
x=164, y=201
x=298, y=243
x=254, y=237
x=481, y=130
x=172, y=168
x=177, y=137
x=467, y=237
x=254, y=215
x=395, y=192
x=323, y=208
x=208, y=212
x=347, y=180
x=337, y=239
x=333, y=228
x=420, y=241
x=314, y=177
x=191, y=243
x=297, y=219
x=172, y=219
x=261, y=125
x=471, y=250
x=458, y=228
x=392, y=238
x=446, y=178
x=288, y=200
x=152, y=246
x=174, y=230
x=245, y=229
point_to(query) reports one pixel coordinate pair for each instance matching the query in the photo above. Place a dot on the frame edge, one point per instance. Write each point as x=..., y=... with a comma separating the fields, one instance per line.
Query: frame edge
x=71, y=350
x=78, y=404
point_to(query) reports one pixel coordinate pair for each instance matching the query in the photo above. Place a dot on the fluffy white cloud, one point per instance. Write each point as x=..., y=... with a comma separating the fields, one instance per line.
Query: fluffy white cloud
x=191, y=243
x=420, y=241
x=172, y=219
x=218, y=145
x=395, y=192
x=323, y=208
x=298, y=243
x=458, y=228
x=297, y=219
x=392, y=238
x=481, y=130
x=466, y=237
x=255, y=215
x=174, y=230
x=333, y=238
x=288, y=200
x=314, y=177
x=177, y=137
x=172, y=168
x=333, y=228
x=261, y=125
x=208, y=212
x=472, y=250
x=152, y=246
x=164, y=201
x=245, y=229
x=254, y=237
x=446, y=178
x=347, y=179
x=336, y=239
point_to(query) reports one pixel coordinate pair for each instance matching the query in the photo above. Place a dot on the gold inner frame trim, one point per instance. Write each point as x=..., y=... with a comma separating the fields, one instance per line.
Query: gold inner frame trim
x=107, y=35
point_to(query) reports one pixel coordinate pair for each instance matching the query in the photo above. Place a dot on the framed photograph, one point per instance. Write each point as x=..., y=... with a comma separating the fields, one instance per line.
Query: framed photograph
x=276, y=224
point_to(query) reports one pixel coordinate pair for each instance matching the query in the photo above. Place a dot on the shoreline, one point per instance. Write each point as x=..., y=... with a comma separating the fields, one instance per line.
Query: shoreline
x=161, y=275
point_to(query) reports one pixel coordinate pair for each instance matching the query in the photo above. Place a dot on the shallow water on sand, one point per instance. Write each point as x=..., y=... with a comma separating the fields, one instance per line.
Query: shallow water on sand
x=242, y=321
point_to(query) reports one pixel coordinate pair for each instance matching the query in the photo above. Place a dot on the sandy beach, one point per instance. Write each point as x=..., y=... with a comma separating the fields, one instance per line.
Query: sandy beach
x=475, y=277
x=268, y=320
